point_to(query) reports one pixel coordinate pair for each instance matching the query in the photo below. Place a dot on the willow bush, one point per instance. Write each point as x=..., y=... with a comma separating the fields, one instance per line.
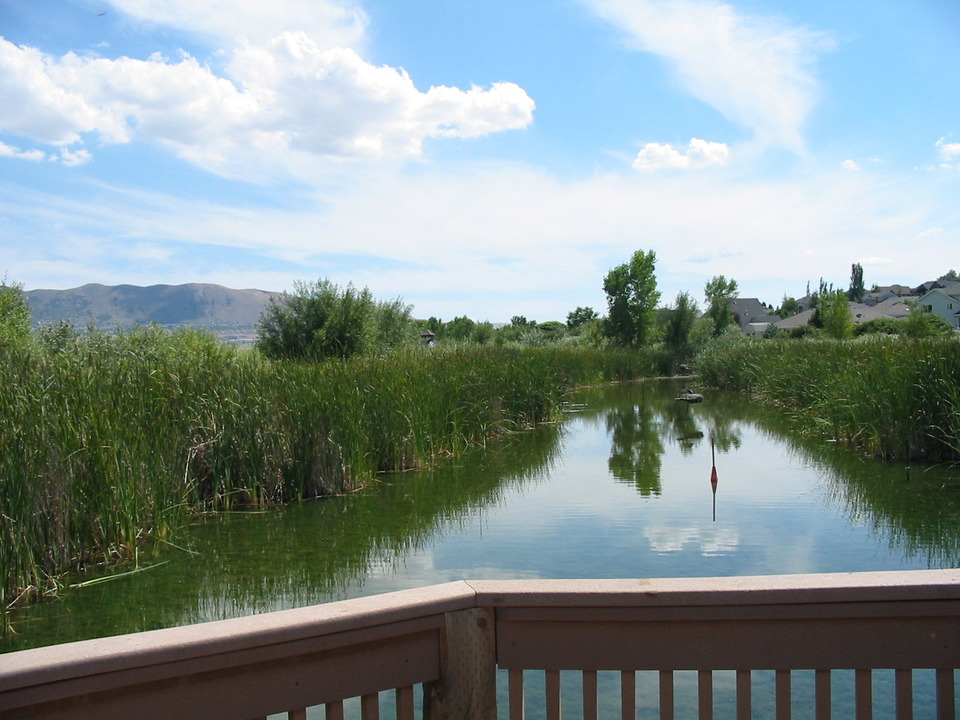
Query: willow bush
x=109, y=442
x=895, y=397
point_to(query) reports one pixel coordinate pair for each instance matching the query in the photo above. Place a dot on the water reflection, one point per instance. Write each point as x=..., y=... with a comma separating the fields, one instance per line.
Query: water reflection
x=628, y=486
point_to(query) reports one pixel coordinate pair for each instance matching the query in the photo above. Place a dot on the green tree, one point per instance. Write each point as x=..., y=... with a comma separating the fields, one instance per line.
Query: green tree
x=856, y=291
x=320, y=320
x=680, y=322
x=581, y=315
x=14, y=314
x=632, y=299
x=788, y=307
x=834, y=312
x=720, y=292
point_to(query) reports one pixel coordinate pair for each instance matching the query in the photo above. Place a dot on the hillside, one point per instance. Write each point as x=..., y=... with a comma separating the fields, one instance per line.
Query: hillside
x=231, y=314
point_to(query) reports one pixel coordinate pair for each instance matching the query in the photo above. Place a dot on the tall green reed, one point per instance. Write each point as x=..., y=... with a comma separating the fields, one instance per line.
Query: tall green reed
x=109, y=442
x=895, y=397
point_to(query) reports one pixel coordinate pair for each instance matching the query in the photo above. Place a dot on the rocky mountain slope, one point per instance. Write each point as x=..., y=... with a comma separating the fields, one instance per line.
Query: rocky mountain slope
x=231, y=314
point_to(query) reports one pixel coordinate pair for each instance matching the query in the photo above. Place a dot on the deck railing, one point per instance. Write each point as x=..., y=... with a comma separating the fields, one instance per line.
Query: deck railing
x=438, y=650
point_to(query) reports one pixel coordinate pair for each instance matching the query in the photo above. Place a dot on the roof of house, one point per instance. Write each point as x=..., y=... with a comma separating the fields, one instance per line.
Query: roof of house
x=859, y=313
x=751, y=310
x=947, y=288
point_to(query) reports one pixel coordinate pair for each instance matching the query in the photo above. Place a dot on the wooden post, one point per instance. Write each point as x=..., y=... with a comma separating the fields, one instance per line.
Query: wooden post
x=467, y=688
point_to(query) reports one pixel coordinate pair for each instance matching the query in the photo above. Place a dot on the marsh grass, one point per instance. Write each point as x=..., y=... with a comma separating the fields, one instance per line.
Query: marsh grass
x=897, y=398
x=109, y=443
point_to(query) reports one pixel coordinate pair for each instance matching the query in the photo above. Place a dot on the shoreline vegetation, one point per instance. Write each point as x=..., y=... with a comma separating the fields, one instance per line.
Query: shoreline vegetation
x=895, y=398
x=111, y=442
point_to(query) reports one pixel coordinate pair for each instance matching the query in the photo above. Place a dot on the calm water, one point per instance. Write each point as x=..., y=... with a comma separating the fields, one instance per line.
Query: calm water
x=620, y=489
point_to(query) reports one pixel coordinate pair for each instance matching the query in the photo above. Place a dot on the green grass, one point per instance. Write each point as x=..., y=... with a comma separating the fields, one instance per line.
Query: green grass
x=897, y=398
x=108, y=443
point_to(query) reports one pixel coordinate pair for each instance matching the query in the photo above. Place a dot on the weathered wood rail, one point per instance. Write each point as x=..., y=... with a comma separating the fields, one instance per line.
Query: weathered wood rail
x=439, y=648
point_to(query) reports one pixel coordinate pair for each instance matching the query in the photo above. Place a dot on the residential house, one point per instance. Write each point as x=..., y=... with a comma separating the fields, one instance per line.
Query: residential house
x=895, y=307
x=751, y=315
x=943, y=300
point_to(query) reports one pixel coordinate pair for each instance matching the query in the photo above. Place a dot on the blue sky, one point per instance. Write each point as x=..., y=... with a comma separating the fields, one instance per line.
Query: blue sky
x=483, y=159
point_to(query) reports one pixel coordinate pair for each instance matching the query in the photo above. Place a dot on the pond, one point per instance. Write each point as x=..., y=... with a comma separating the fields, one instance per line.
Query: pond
x=622, y=488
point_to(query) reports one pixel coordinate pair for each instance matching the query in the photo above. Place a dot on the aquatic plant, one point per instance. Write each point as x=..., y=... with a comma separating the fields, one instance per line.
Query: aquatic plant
x=108, y=443
x=895, y=397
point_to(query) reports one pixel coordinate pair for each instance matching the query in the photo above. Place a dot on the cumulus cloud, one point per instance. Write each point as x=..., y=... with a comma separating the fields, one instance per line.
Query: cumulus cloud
x=699, y=154
x=849, y=165
x=9, y=151
x=757, y=71
x=949, y=154
x=286, y=97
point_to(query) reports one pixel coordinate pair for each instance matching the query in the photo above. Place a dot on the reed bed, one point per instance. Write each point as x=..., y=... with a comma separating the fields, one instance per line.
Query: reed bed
x=109, y=443
x=894, y=397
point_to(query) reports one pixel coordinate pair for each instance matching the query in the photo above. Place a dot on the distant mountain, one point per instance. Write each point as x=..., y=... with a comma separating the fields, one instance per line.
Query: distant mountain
x=231, y=314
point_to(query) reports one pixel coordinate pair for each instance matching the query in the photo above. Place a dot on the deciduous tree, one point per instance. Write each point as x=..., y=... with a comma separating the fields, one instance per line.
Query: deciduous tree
x=719, y=293
x=320, y=320
x=632, y=298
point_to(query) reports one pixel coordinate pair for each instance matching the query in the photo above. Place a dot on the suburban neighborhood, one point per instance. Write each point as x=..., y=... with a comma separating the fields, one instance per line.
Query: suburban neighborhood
x=894, y=302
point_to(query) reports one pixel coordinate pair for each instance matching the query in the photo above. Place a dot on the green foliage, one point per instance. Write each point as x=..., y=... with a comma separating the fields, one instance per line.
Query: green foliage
x=896, y=397
x=14, y=314
x=856, y=291
x=581, y=315
x=632, y=299
x=921, y=324
x=880, y=326
x=320, y=320
x=110, y=440
x=680, y=321
x=834, y=314
x=788, y=307
x=719, y=293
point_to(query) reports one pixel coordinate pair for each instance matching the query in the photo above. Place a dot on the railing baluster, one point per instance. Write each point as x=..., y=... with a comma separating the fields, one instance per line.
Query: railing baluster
x=666, y=695
x=705, y=694
x=946, y=700
x=404, y=703
x=334, y=710
x=628, y=695
x=590, y=698
x=370, y=707
x=744, y=695
x=863, y=693
x=904, y=692
x=783, y=693
x=516, y=694
x=553, y=694
x=822, y=694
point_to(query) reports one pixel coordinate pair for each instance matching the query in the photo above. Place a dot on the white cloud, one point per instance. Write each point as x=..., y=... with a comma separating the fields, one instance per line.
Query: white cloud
x=949, y=154
x=286, y=98
x=699, y=154
x=495, y=240
x=849, y=165
x=75, y=159
x=756, y=71
x=329, y=24
x=9, y=151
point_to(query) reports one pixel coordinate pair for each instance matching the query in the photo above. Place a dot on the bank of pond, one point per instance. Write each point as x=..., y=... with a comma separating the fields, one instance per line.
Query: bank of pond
x=112, y=443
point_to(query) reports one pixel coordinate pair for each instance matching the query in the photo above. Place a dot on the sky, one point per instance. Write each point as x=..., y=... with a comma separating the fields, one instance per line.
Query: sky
x=487, y=159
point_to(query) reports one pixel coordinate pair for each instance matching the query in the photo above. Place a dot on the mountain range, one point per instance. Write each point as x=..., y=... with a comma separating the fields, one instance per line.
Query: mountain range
x=231, y=314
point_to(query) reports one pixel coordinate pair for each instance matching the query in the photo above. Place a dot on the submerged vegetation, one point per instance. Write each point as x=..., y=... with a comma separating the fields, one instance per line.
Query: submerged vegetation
x=111, y=441
x=895, y=397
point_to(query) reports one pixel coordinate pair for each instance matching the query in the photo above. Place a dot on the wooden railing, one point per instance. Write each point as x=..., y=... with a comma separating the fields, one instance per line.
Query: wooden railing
x=437, y=650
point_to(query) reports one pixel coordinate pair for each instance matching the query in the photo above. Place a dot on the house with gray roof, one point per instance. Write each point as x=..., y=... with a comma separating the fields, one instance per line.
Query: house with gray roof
x=751, y=315
x=943, y=300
